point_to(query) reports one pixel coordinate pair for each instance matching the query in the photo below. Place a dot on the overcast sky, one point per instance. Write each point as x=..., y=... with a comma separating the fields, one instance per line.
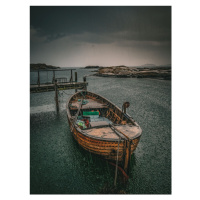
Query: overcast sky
x=70, y=36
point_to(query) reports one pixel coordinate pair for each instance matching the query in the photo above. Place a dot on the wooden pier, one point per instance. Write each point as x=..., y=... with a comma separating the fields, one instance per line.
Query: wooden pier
x=59, y=86
x=57, y=83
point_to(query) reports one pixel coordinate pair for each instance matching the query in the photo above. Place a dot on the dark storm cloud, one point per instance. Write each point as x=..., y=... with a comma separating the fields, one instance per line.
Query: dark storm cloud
x=100, y=35
x=102, y=24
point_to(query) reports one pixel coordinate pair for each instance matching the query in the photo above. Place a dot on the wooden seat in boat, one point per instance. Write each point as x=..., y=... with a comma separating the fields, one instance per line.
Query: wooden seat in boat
x=91, y=104
x=99, y=123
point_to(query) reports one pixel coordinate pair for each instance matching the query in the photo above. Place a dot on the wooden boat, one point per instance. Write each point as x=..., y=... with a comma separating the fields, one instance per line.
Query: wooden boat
x=102, y=128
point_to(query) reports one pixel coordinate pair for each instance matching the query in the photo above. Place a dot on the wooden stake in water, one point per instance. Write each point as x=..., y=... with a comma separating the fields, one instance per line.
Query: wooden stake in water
x=38, y=81
x=76, y=80
x=115, y=180
x=56, y=96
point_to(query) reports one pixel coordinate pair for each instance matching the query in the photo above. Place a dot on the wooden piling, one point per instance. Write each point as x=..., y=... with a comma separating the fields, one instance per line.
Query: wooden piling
x=38, y=81
x=71, y=78
x=127, y=155
x=84, y=80
x=76, y=79
x=53, y=77
x=115, y=180
x=56, y=96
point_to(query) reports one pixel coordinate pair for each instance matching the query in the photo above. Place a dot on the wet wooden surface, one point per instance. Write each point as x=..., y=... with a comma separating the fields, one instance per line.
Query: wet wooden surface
x=91, y=104
x=104, y=132
x=108, y=133
x=130, y=130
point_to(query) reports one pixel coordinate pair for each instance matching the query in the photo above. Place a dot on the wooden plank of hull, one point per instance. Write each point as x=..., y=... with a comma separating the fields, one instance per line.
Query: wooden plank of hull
x=98, y=148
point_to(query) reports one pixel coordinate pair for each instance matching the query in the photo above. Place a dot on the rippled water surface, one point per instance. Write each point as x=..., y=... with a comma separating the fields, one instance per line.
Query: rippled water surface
x=59, y=166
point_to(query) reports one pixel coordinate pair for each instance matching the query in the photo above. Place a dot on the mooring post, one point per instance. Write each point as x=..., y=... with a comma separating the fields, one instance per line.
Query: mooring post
x=84, y=80
x=76, y=80
x=53, y=77
x=56, y=96
x=71, y=78
x=127, y=155
x=115, y=180
x=38, y=81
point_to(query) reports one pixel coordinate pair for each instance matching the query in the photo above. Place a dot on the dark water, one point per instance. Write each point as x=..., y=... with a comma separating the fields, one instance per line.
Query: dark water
x=59, y=166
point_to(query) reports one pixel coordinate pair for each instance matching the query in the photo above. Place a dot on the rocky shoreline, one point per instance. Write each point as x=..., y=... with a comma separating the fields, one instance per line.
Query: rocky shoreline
x=135, y=72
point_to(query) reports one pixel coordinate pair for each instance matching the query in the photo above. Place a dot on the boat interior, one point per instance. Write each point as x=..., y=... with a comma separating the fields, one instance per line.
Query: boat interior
x=98, y=117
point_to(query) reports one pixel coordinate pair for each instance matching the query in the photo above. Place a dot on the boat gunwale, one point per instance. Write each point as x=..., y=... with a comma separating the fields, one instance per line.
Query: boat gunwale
x=99, y=138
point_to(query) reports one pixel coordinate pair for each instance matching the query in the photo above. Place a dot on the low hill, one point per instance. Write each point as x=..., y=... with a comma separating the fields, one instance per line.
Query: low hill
x=91, y=67
x=42, y=66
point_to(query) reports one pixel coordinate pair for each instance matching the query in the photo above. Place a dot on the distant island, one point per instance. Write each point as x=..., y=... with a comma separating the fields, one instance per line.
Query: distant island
x=148, y=65
x=91, y=67
x=42, y=66
x=160, y=72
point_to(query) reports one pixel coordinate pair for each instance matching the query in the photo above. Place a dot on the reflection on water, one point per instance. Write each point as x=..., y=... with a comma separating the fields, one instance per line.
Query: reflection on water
x=58, y=165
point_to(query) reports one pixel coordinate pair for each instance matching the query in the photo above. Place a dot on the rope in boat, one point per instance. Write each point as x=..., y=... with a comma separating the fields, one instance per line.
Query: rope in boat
x=115, y=180
x=76, y=115
x=82, y=94
x=120, y=132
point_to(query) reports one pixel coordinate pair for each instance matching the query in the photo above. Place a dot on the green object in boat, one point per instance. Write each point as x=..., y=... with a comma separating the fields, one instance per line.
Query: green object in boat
x=90, y=112
x=81, y=123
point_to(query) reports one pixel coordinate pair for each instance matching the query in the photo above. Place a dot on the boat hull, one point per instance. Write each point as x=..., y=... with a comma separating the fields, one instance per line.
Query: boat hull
x=104, y=148
x=115, y=141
